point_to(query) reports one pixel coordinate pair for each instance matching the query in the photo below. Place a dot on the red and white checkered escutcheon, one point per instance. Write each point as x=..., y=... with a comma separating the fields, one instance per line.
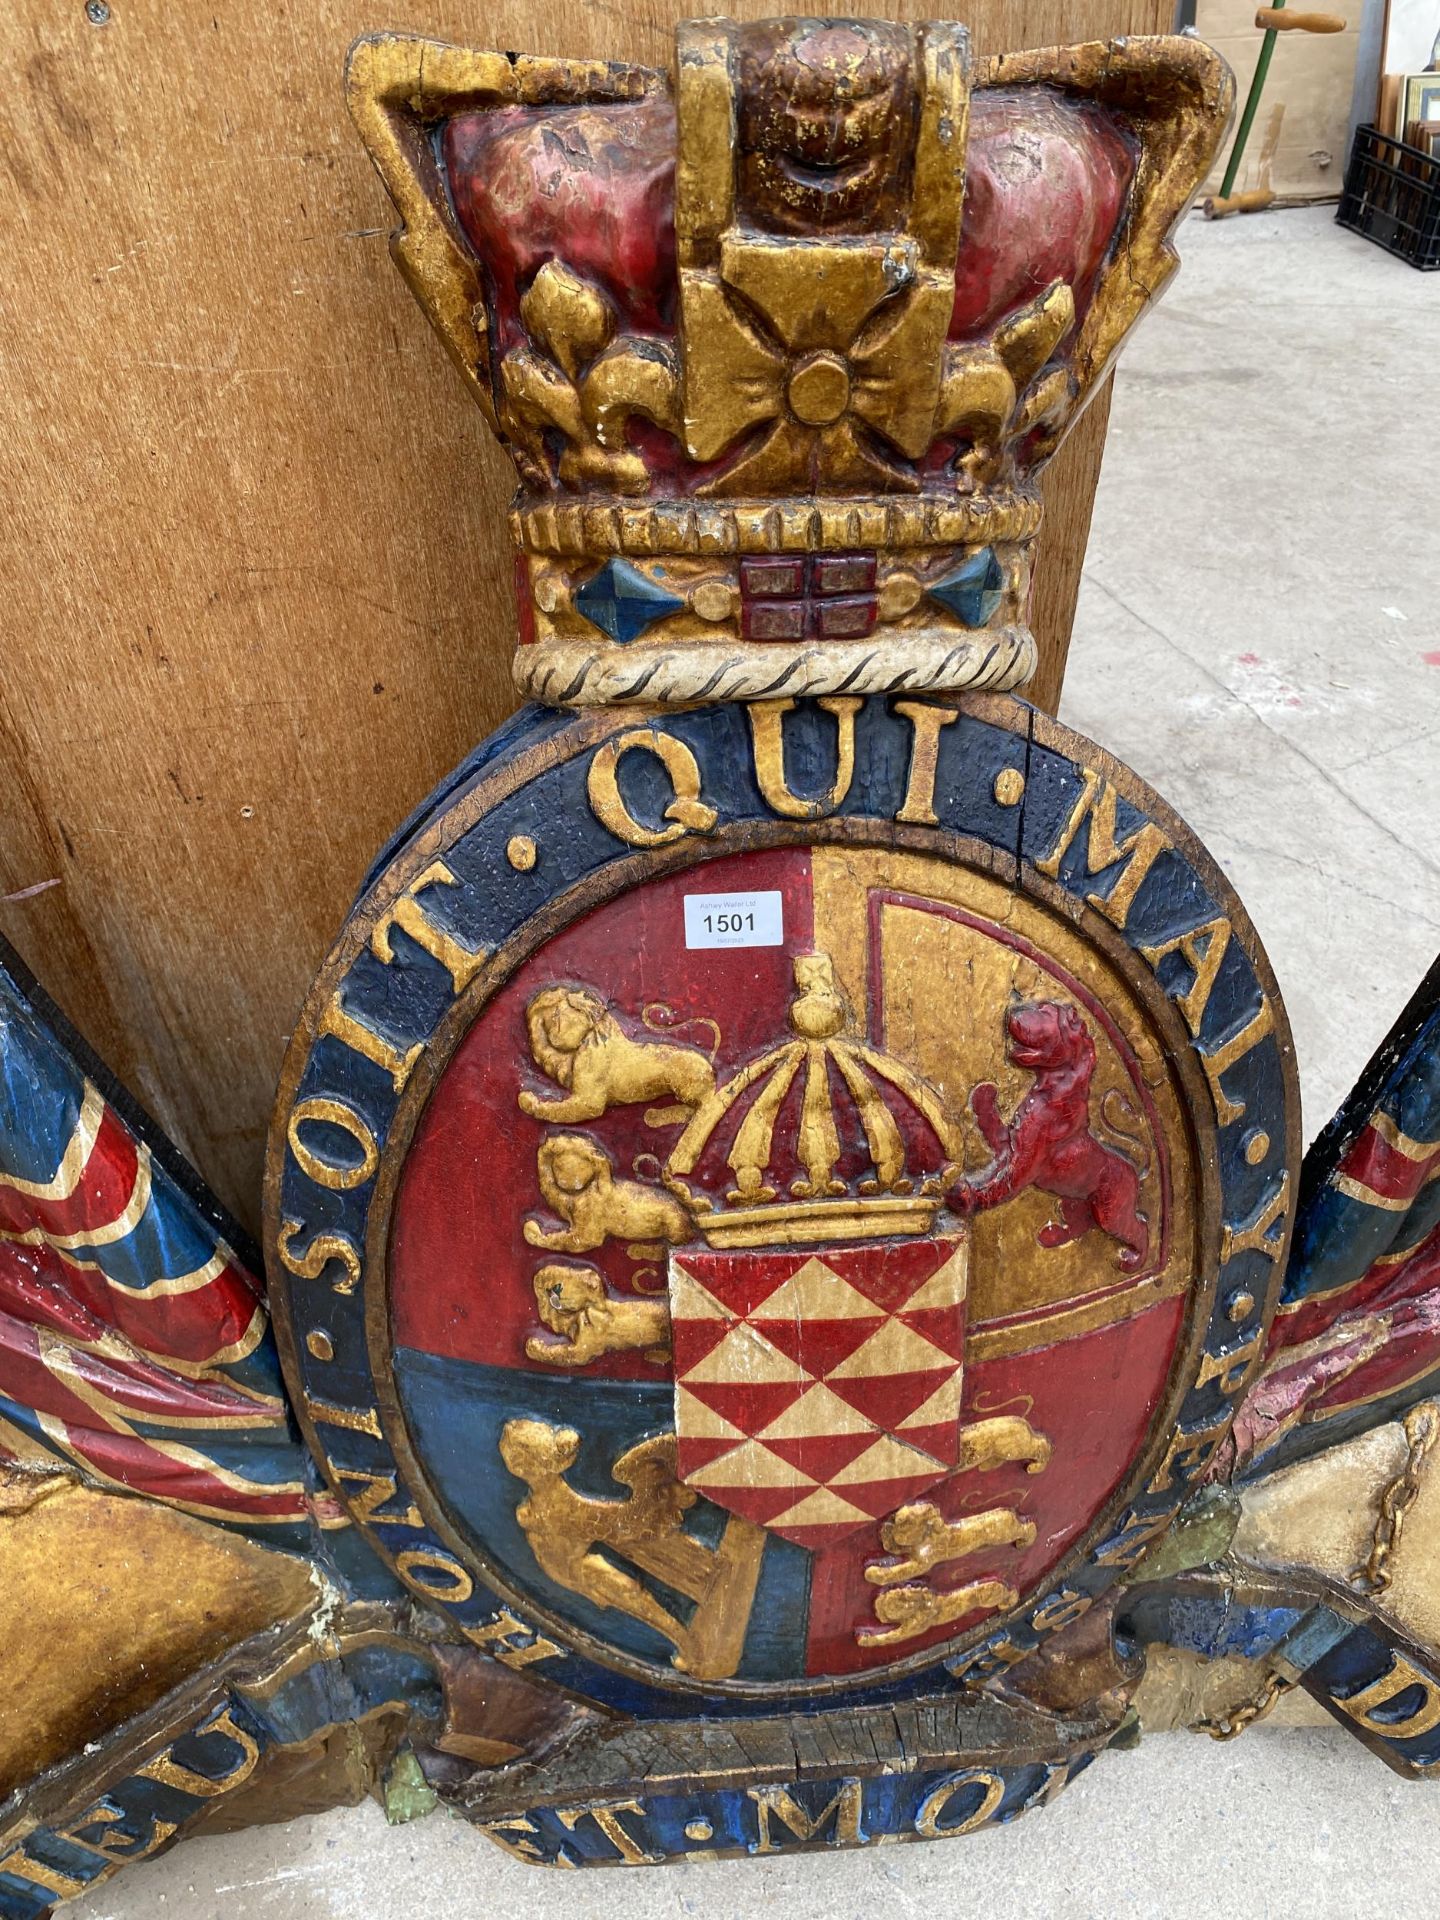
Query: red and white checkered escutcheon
x=817, y=1389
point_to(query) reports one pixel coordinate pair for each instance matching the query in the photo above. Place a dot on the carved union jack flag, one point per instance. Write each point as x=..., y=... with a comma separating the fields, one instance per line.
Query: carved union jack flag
x=1357, y=1337
x=134, y=1342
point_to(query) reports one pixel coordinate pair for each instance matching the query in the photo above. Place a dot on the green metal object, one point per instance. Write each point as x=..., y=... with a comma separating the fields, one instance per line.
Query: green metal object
x=1203, y=1530
x=1252, y=102
x=408, y=1795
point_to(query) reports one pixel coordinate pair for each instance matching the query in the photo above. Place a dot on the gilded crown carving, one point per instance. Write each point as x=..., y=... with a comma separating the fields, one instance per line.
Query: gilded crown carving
x=780, y=343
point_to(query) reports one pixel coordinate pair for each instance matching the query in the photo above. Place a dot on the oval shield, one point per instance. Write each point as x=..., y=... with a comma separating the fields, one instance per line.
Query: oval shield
x=768, y=1201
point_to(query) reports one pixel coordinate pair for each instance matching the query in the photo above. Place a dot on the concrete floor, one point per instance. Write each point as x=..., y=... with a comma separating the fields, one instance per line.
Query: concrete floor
x=1259, y=635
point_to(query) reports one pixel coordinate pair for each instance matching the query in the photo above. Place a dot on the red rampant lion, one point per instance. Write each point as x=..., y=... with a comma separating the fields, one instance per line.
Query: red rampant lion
x=1048, y=1143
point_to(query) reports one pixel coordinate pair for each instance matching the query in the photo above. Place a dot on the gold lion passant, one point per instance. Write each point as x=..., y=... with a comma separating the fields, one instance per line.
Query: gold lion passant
x=922, y=1539
x=1002, y=1440
x=578, y=1182
x=910, y=1611
x=590, y=1321
x=918, y=1539
x=579, y=1043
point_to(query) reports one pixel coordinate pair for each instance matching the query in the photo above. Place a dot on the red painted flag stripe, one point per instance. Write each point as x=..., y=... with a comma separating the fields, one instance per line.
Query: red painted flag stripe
x=1382, y=1172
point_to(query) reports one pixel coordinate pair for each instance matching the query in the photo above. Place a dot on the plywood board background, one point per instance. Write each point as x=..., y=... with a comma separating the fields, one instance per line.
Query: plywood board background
x=257, y=588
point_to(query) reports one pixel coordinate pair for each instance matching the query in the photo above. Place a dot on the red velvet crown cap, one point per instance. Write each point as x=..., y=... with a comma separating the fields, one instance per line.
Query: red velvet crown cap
x=594, y=187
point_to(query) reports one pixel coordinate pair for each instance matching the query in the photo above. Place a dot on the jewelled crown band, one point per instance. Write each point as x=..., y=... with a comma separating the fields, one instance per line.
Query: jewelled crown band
x=780, y=344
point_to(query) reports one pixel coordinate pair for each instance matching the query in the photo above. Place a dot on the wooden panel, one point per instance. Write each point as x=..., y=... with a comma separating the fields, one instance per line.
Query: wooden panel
x=258, y=583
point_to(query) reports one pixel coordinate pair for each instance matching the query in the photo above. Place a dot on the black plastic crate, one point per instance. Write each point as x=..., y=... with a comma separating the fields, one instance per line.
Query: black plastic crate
x=1392, y=196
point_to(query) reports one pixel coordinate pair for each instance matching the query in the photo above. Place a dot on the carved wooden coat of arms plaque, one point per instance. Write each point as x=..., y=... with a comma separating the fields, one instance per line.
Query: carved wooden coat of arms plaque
x=779, y=1211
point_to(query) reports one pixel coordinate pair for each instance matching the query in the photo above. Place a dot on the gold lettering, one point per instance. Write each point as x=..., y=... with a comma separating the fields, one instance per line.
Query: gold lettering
x=508, y=1639
x=170, y=1773
x=1224, y=1057
x=1255, y=1235
x=1061, y=1610
x=767, y=731
x=460, y=962
x=324, y=1248
x=990, y=1662
x=370, y=1045
x=687, y=812
x=926, y=721
x=352, y=1419
x=116, y=1846
x=500, y=1830
x=779, y=1801
x=1363, y=1707
x=18, y=1862
x=375, y=1490
x=338, y=1176
x=1133, y=1541
x=1190, y=1450
x=1203, y=960
x=1104, y=848
x=927, y=1821
x=420, y=1565
x=607, y=1818
x=1230, y=1369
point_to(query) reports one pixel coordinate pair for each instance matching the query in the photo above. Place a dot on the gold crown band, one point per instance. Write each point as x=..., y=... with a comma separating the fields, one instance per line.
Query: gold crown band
x=818, y=1222
x=809, y=526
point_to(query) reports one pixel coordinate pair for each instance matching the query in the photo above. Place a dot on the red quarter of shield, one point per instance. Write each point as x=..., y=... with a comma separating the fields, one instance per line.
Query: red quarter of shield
x=817, y=1389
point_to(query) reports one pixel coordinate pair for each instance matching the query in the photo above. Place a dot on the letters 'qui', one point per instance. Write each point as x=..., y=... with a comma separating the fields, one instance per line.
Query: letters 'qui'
x=779, y=1210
